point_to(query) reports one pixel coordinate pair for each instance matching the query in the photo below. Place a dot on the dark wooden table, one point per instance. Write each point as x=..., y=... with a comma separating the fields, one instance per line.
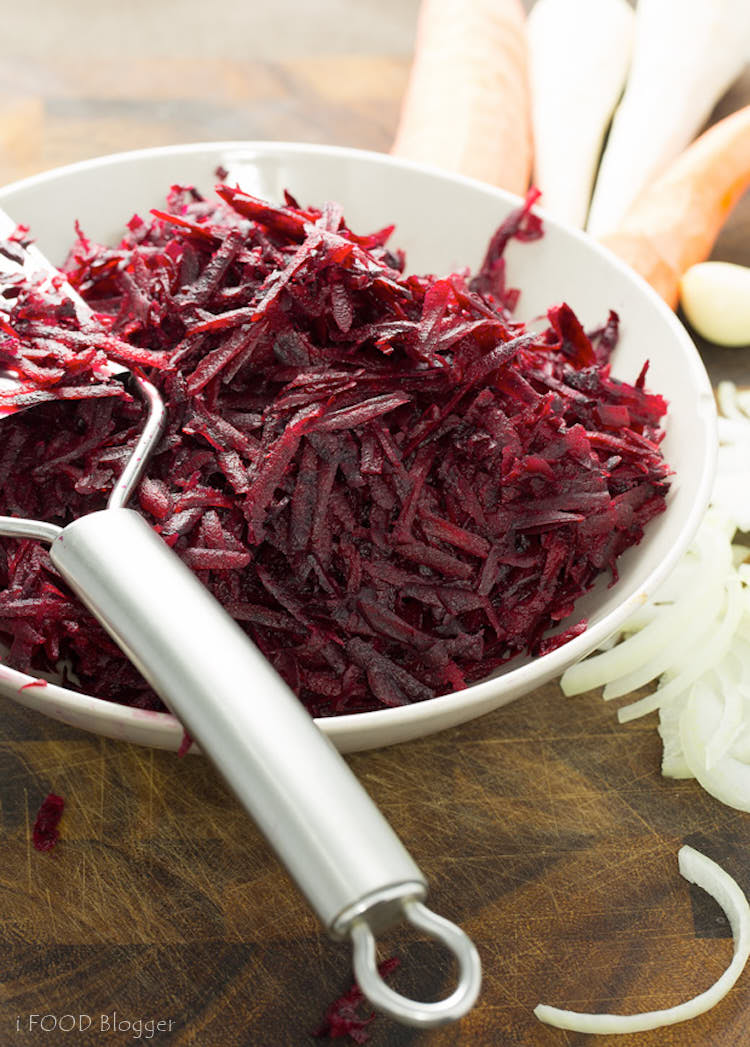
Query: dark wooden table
x=544, y=828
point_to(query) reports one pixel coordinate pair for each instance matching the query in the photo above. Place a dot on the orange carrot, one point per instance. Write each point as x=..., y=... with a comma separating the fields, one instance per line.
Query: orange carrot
x=467, y=106
x=675, y=221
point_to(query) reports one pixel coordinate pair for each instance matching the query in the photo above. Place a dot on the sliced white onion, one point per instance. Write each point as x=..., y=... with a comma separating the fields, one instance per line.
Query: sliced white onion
x=726, y=678
x=731, y=454
x=673, y=587
x=741, y=748
x=709, y=556
x=673, y=762
x=700, y=870
x=713, y=648
x=732, y=719
x=743, y=629
x=707, y=606
x=731, y=490
x=726, y=396
x=732, y=431
x=727, y=779
x=638, y=620
x=693, y=636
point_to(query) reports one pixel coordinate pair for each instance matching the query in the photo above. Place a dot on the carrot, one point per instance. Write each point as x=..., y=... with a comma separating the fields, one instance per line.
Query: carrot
x=467, y=106
x=675, y=221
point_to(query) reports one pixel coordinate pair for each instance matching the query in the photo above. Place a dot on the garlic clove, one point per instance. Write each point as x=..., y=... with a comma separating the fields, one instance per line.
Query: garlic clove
x=716, y=302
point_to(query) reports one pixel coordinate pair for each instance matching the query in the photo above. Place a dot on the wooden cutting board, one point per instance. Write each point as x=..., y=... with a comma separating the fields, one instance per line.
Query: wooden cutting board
x=545, y=828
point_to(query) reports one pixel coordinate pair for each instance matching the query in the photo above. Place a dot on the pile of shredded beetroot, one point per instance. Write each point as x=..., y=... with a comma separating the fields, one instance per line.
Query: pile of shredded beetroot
x=392, y=486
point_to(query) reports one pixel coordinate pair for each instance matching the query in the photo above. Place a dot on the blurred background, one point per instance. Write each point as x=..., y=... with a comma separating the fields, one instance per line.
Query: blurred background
x=84, y=78
x=90, y=77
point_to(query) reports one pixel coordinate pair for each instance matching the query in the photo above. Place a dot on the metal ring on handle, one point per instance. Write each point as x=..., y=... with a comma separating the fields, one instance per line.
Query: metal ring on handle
x=412, y=1012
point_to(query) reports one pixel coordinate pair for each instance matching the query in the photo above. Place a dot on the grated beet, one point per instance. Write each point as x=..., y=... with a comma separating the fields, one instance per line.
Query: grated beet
x=388, y=482
x=45, y=833
x=344, y=1018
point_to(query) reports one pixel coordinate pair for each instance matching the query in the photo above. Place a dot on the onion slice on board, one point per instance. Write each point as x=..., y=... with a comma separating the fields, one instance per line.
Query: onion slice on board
x=715, y=645
x=726, y=778
x=705, y=565
x=700, y=870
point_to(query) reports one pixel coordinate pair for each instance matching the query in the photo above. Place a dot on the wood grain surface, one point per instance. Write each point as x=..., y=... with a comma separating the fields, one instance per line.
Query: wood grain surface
x=545, y=828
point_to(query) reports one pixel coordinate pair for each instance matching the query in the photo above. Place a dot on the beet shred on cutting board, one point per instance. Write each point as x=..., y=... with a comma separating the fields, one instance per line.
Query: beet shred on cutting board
x=391, y=484
x=46, y=833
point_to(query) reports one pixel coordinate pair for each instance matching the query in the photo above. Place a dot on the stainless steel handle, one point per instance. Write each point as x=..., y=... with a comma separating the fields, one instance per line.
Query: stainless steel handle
x=321, y=822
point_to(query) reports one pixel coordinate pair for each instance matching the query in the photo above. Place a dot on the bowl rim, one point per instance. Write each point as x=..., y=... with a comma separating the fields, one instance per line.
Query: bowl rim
x=413, y=720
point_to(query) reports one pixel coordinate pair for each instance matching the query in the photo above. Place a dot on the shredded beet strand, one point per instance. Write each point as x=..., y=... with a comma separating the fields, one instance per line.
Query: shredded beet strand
x=344, y=1016
x=46, y=833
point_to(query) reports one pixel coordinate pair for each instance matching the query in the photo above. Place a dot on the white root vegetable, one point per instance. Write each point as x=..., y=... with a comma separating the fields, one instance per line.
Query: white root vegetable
x=579, y=54
x=700, y=870
x=686, y=54
x=715, y=298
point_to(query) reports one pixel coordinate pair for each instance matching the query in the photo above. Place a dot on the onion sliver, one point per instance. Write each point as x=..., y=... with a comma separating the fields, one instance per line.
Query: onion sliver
x=706, y=606
x=741, y=748
x=728, y=779
x=673, y=762
x=729, y=727
x=726, y=395
x=713, y=560
x=700, y=870
x=714, y=647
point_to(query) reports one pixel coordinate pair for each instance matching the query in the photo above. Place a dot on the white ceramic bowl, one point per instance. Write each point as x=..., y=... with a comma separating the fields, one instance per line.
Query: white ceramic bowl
x=443, y=222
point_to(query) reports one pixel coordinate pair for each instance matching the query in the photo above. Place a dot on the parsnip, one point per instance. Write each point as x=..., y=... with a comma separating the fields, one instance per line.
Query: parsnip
x=686, y=54
x=579, y=54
